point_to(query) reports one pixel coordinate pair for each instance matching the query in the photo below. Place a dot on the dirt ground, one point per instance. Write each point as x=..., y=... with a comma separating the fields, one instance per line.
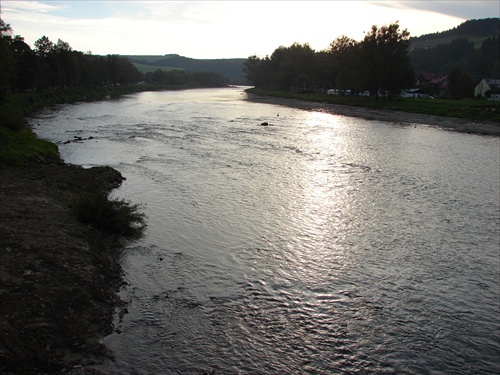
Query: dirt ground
x=404, y=118
x=58, y=277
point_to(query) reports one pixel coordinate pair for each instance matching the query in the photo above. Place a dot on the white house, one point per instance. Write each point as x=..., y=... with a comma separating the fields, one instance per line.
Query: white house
x=484, y=85
x=481, y=88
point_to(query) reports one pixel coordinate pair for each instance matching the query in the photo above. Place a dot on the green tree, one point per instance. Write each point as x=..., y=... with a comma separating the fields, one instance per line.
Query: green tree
x=121, y=71
x=443, y=57
x=250, y=69
x=27, y=64
x=324, y=74
x=453, y=81
x=486, y=60
x=43, y=46
x=257, y=71
x=7, y=61
x=68, y=64
x=44, y=49
x=466, y=86
x=460, y=84
x=343, y=51
x=292, y=68
x=386, y=64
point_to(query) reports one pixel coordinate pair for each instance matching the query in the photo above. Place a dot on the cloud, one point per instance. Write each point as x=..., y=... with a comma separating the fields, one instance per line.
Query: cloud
x=28, y=7
x=220, y=29
x=465, y=10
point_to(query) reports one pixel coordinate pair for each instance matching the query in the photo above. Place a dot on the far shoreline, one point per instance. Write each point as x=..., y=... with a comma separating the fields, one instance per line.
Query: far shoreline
x=399, y=117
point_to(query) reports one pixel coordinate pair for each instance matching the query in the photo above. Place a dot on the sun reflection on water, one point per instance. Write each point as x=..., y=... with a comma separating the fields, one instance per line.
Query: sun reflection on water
x=322, y=218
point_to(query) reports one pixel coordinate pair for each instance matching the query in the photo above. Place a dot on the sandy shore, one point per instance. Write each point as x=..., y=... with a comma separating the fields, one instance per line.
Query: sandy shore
x=404, y=118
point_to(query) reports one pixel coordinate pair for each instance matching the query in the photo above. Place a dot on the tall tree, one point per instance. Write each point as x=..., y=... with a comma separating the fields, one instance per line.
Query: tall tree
x=43, y=46
x=386, y=63
x=292, y=67
x=27, y=64
x=7, y=62
x=460, y=84
x=255, y=71
x=69, y=74
x=486, y=60
x=343, y=54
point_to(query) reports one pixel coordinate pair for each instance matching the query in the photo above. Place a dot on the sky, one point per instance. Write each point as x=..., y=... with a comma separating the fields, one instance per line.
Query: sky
x=225, y=29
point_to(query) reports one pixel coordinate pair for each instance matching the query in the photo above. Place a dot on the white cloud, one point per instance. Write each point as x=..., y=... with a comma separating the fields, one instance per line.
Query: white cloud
x=211, y=29
x=465, y=10
x=28, y=7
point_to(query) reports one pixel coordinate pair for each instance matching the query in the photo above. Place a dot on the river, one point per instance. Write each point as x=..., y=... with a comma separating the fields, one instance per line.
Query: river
x=319, y=244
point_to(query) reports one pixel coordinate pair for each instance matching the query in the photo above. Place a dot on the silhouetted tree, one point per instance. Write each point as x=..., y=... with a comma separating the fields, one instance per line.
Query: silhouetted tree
x=121, y=71
x=43, y=46
x=460, y=84
x=385, y=62
x=27, y=65
x=7, y=62
x=344, y=61
x=486, y=60
x=443, y=57
x=257, y=71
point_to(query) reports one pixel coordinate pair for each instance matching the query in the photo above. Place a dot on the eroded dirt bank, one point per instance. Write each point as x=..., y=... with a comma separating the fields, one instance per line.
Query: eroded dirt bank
x=405, y=118
x=58, y=277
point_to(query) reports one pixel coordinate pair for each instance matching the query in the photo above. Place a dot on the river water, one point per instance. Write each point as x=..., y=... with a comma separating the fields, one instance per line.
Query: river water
x=319, y=244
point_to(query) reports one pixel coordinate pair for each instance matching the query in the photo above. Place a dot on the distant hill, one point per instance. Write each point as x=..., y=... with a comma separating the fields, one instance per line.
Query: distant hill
x=423, y=53
x=476, y=31
x=472, y=46
x=230, y=68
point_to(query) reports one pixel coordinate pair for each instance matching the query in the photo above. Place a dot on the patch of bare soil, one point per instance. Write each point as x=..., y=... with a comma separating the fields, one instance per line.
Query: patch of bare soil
x=58, y=277
x=403, y=118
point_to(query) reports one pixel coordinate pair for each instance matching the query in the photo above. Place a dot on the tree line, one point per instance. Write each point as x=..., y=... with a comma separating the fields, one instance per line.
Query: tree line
x=483, y=62
x=179, y=77
x=378, y=64
x=381, y=64
x=52, y=65
x=56, y=65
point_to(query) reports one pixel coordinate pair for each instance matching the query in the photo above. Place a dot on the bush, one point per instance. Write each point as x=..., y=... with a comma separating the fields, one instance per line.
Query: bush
x=116, y=216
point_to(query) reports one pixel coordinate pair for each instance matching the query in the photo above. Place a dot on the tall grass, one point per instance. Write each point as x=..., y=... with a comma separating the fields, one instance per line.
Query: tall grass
x=116, y=216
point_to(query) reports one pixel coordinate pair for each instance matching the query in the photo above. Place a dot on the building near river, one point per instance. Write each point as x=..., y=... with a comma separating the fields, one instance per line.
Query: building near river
x=486, y=86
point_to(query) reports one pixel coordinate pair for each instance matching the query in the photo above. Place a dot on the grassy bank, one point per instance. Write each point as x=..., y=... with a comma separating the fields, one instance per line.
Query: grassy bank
x=18, y=146
x=468, y=109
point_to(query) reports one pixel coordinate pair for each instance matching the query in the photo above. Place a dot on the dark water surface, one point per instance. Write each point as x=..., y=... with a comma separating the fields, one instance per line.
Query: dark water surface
x=319, y=244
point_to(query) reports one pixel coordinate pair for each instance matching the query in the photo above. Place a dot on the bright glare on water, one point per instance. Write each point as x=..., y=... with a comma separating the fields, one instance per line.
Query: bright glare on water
x=319, y=244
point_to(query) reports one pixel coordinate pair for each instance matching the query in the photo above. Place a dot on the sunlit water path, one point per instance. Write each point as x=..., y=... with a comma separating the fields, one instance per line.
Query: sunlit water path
x=318, y=244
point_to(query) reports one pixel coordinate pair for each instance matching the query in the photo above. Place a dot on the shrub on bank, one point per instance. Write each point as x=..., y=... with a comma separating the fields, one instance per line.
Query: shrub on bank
x=113, y=215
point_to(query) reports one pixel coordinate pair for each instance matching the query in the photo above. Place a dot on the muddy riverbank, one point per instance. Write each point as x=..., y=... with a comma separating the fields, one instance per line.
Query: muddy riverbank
x=58, y=277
